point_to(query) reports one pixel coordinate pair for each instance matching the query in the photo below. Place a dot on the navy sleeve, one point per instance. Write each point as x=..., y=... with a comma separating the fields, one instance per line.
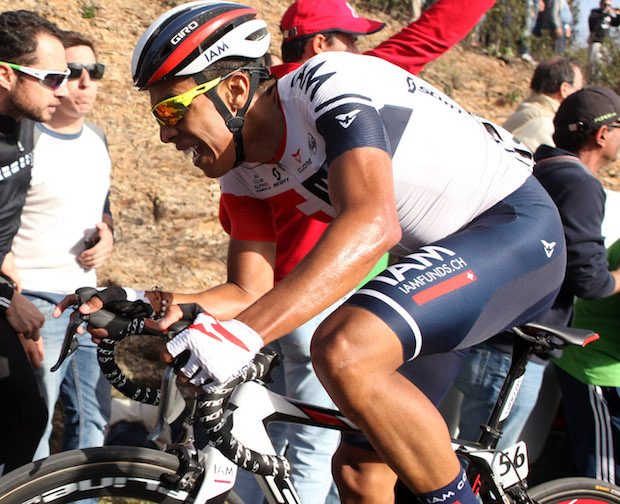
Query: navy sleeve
x=587, y=274
x=349, y=126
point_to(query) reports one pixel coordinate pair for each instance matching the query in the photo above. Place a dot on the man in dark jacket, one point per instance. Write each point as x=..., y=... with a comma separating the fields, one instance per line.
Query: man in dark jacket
x=587, y=138
x=33, y=73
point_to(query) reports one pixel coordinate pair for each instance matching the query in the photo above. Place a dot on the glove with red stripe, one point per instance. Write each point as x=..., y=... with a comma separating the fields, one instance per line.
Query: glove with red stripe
x=219, y=351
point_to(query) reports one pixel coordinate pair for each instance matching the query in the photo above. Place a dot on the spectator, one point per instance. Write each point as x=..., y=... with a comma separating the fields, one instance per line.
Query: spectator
x=33, y=72
x=532, y=8
x=556, y=19
x=566, y=17
x=553, y=80
x=600, y=22
x=587, y=136
x=589, y=379
x=67, y=202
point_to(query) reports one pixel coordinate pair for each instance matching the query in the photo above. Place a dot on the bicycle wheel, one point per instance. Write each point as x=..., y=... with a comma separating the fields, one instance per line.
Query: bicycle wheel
x=114, y=471
x=575, y=491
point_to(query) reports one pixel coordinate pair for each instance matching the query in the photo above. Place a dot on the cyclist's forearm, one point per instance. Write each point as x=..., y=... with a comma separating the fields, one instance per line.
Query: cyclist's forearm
x=224, y=301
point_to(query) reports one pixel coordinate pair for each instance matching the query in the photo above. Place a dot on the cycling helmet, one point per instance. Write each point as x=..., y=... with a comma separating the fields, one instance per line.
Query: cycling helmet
x=191, y=37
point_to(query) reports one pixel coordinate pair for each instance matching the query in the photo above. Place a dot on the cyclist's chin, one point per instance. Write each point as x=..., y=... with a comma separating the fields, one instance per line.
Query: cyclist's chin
x=212, y=168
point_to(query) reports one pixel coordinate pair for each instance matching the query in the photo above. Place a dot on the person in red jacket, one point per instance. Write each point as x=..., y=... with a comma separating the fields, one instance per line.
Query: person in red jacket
x=310, y=27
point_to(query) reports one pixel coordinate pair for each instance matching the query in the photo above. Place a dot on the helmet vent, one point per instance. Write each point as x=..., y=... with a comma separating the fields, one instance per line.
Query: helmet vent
x=257, y=35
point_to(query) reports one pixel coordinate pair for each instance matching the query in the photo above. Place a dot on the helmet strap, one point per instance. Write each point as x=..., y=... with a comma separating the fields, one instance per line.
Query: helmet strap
x=235, y=122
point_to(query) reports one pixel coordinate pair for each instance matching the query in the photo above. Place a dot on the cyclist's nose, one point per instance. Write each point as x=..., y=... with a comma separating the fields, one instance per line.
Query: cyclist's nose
x=166, y=133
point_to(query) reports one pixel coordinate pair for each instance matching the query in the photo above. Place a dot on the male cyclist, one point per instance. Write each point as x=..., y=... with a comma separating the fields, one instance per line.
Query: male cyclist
x=359, y=143
x=311, y=27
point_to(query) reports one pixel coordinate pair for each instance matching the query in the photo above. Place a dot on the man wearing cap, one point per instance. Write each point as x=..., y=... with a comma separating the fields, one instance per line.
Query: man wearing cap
x=587, y=137
x=310, y=27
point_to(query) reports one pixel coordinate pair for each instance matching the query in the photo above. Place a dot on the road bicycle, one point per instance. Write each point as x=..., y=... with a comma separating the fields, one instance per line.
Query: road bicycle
x=235, y=420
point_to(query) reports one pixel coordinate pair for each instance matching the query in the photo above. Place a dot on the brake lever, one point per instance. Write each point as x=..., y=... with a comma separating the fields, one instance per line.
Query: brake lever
x=70, y=343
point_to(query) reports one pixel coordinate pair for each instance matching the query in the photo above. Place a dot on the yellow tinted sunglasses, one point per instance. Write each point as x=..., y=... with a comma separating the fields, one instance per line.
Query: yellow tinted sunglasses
x=171, y=110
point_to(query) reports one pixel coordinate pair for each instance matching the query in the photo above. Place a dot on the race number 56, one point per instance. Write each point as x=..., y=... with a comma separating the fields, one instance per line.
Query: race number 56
x=511, y=464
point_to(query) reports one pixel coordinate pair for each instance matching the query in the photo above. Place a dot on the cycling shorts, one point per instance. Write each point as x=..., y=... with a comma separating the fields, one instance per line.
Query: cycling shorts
x=503, y=269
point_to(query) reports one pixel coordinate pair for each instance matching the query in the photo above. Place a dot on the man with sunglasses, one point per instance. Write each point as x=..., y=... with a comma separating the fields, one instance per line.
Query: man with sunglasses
x=311, y=27
x=54, y=254
x=33, y=72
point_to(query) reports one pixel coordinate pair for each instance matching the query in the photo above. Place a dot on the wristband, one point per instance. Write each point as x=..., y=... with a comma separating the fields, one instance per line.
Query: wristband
x=6, y=295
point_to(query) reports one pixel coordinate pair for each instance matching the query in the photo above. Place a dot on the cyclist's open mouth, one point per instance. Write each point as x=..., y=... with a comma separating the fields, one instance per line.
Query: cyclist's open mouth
x=193, y=151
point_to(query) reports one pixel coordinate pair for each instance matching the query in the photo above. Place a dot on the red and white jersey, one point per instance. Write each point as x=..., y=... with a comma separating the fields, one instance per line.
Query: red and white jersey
x=448, y=165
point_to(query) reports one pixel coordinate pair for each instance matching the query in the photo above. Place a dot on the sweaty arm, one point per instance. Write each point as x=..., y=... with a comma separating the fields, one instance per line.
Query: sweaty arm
x=366, y=226
x=440, y=27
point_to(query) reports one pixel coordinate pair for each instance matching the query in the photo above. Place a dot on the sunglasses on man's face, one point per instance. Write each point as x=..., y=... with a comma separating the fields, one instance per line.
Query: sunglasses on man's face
x=49, y=78
x=95, y=70
x=170, y=111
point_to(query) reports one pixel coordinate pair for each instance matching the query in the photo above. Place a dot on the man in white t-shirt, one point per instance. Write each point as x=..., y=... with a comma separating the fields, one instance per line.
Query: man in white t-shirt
x=64, y=236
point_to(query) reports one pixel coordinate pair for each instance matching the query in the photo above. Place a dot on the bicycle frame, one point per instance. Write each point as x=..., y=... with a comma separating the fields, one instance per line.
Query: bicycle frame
x=252, y=407
x=492, y=473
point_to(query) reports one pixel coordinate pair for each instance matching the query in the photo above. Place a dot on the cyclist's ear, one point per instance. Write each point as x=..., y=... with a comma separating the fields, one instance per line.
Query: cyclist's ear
x=235, y=91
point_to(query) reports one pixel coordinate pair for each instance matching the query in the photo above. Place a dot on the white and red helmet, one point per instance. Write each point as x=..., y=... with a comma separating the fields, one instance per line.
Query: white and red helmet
x=191, y=37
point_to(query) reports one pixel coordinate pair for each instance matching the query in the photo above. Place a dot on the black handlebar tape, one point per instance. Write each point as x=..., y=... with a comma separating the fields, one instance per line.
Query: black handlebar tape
x=118, y=328
x=211, y=409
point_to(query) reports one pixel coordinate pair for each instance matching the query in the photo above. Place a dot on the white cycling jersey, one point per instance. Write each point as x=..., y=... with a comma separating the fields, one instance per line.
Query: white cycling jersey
x=449, y=166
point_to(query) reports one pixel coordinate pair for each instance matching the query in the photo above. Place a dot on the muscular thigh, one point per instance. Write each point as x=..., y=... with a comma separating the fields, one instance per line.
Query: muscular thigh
x=503, y=269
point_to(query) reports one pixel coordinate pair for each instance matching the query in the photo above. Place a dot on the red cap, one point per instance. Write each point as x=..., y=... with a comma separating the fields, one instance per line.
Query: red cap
x=309, y=17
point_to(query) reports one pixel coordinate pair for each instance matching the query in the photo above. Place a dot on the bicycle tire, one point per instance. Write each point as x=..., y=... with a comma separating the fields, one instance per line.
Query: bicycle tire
x=112, y=471
x=575, y=491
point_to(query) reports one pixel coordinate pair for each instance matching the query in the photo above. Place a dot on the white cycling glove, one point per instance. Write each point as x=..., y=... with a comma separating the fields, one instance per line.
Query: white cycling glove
x=219, y=351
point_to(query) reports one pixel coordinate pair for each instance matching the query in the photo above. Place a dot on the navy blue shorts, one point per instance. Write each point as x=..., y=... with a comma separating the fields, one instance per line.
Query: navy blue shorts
x=501, y=270
x=504, y=269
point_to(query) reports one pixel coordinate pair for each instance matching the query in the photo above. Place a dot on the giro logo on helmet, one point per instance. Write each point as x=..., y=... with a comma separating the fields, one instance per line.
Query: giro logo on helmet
x=184, y=32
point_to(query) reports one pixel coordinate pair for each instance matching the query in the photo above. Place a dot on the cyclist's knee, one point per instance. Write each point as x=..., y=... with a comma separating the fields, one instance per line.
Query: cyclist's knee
x=362, y=477
x=353, y=353
x=329, y=349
